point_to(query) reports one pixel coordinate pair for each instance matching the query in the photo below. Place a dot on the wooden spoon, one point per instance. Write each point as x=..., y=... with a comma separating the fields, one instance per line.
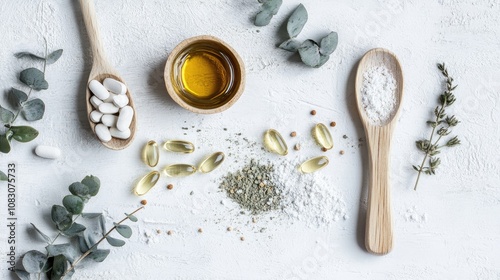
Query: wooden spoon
x=378, y=239
x=101, y=70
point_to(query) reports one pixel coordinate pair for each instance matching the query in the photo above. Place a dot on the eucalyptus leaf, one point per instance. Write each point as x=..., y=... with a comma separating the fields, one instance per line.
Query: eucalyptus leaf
x=329, y=43
x=65, y=249
x=83, y=244
x=43, y=235
x=59, y=266
x=29, y=55
x=263, y=18
x=33, y=110
x=322, y=60
x=74, y=204
x=54, y=56
x=309, y=53
x=93, y=183
x=34, y=261
x=23, y=133
x=297, y=21
x=290, y=45
x=99, y=255
x=34, y=79
x=131, y=217
x=61, y=217
x=74, y=230
x=102, y=224
x=4, y=144
x=16, y=98
x=3, y=176
x=22, y=274
x=91, y=215
x=6, y=116
x=79, y=189
x=124, y=230
x=272, y=6
x=91, y=243
x=115, y=242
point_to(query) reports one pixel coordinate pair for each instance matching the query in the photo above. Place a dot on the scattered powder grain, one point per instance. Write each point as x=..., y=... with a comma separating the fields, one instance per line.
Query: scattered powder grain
x=378, y=94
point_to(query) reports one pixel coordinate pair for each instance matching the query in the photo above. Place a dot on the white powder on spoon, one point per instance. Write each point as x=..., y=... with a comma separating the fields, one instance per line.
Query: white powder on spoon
x=378, y=95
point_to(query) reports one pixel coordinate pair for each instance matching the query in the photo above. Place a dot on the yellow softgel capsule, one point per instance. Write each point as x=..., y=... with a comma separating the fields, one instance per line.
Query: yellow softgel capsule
x=211, y=162
x=146, y=183
x=179, y=146
x=151, y=153
x=274, y=142
x=322, y=136
x=314, y=164
x=179, y=170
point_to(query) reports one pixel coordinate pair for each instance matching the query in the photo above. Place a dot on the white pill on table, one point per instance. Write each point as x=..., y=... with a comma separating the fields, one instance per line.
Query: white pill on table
x=115, y=86
x=47, y=152
x=109, y=120
x=125, y=118
x=98, y=89
x=120, y=101
x=102, y=132
x=95, y=116
x=120, y=134
x=108, y=108
x=95, y=101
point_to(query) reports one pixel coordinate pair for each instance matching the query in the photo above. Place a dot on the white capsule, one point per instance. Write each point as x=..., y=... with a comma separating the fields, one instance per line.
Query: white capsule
x=108, y=108
x=109, y=120
x=95, y=101
x=125, y=118
x=47, y=152
x=102, y=132
x=119, y=134
x=120, y=101
x=98, y=89
x=115, y=86
x=95, y=116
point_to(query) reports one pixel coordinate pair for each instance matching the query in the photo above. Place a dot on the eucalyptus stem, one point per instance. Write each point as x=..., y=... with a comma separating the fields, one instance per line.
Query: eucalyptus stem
x=84, y=255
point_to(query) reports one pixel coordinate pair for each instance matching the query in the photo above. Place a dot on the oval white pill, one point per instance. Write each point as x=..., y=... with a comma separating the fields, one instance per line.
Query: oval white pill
x=95, y=101
x=102, y=132
x=98, y=89
x=47, y=152
x=120, y=101
x=95, y=116
x=125, y=118
x=115, y=86
x=108, y=108
x=119, y=134
x=109, y=120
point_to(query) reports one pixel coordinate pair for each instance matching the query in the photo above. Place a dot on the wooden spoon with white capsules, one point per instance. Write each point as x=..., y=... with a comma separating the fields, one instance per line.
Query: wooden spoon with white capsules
x=379, y=236
x=102, y=69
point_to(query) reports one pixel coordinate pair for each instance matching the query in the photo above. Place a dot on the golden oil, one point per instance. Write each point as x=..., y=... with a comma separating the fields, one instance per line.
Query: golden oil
x=211, y=162
x=274, y=142
x=313, y=164
x=151, y=153
x=179, y=146
x=322, y=136
x=146, y=183
x=179, y=170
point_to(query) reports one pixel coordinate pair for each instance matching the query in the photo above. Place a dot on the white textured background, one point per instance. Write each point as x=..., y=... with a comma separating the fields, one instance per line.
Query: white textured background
x=448, y=229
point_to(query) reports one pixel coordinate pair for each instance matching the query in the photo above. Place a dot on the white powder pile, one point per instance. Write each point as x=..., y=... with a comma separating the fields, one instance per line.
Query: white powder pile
x=378, y=94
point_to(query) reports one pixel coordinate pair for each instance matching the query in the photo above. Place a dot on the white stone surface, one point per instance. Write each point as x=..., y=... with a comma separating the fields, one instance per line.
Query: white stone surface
x=448, y=229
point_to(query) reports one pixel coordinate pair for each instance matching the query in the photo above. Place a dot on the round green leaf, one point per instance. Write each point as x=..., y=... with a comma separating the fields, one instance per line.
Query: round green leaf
x=82, y=244
x=93, y=183
x=329, y=43
x=61, y=217
x=74, y=230
x=33, y=110
x=4, y=144
x=290, y=45
x=131, y=217
x=54, y=56
x=297, y=21
x=263, y=18
x=322, y=60
x=309, y=53
x=74, y=204
x=34, y=79
x=115, y=242
x=124, y=230
x=66, y=249
x=16, y=98
x=99, y=255
x=6, y=116
x=23, y=133
x=34, y=261
x=272, y=6
x=59, y=267
x=79, y=189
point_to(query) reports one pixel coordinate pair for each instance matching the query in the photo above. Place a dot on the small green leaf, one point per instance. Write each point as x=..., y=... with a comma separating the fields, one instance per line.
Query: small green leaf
x=329, y=43
x=272, y=6
x=91, y=215
x=297, y=21
x=99, y=255
x=23, y=275
x=263, y=18
x=115, y=242
x=74, y=204
x=6, y=116
x=102, y=224
x=59, y=267
x=74, y=230
x=23, y=133
x=309, y=53
x=61, y=217
x=124, y=230
x=34, y=261
x=79, y=189
x=416, y=168
x=16, y=98
x=290, y=45
x=3, y=176
x=33, y=110
x=83, y=244
x=4, y=144
x=43, y=235
x=34, y=79
x=65, y=249
x=322, y=60
x=131, y=217
x=29, y=55
x=93, y=183
x=54, y=56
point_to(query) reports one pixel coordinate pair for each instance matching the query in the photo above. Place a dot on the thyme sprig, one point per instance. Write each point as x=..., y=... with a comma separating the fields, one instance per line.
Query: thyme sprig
x=441, y=127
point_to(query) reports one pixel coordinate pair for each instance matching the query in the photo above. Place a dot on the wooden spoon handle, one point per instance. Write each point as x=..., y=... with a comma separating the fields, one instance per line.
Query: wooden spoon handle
x=379, y=218
x=89, y=18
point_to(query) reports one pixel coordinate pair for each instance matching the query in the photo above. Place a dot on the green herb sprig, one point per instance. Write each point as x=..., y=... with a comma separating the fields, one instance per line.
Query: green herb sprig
x=60, y=260
x=442, y=126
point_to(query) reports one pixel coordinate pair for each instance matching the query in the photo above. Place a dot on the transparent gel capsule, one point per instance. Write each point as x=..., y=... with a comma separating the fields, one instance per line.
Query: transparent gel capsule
x=146, y=183
x=313, y=164
x=275, y=143
x=179, y=146
x=211, y=162
x=179, y=170
x=322, y=136
x=151, y=153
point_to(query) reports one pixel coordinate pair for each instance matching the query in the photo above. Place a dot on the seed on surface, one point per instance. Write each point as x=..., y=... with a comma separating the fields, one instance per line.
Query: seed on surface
x=170, y=232
x=158, y=231
x=200, y=230
x=313, y=112
x=341, y=152
x=332, y=124
x=324, y=149
x=229, y=228
x=254, y=220
x=242, y=238
x=293, y=134
x=296, y=147
x=170, y=186
x=144, y=202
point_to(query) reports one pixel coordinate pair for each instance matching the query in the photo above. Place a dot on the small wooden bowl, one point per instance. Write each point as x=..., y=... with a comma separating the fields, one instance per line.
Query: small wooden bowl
x=218, y=101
